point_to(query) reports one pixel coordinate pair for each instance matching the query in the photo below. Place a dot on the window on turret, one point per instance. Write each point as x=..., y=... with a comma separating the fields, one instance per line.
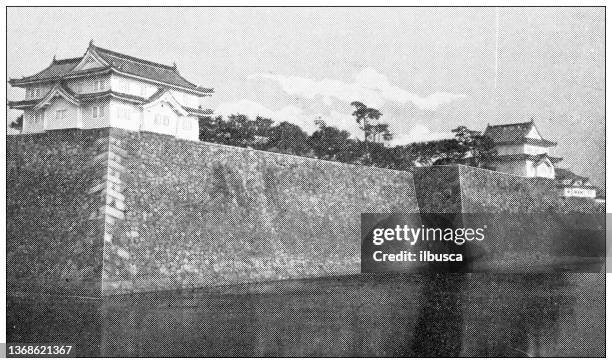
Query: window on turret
x=32, y=92
x=39, y=117
x=97, y=111
x=161, y=119
x=98, y=85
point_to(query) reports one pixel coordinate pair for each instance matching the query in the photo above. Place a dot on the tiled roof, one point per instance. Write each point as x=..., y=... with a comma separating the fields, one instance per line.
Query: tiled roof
x=23, y=103
x=97, y=95
x=118, y=62
x=160, y=92
x=147, y=69
x=508, y=132
x=561, y=173
x=514, y=134
x=569, y=178
x=57, y=68
x=198, y=111
x=539, y=142
x=80, y=97
x=157, y=94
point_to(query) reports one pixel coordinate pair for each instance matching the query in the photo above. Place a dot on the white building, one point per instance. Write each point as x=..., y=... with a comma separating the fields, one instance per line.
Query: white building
x=521, y=150
x=573, y=185
x=109, y=89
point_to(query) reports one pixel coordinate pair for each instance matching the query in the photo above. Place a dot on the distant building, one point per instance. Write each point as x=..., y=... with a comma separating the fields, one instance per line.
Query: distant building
x=104, y=88
x=600, y=196
x=573, y=185
x=521, y=150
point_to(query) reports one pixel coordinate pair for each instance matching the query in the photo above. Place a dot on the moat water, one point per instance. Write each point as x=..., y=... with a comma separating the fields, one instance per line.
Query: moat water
x=402, y=315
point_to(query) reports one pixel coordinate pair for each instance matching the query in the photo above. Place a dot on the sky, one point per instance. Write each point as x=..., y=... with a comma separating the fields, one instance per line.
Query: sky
x=427, y=70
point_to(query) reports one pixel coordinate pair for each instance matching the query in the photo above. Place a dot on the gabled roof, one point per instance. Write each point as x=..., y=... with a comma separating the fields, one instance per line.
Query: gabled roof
x=57, y=90
x=25, y=104
x=189, y=110
x=515, y=134
x=57, y=68
x=164, y=95
x=147, y=69
x=115, y=62
x=562, y=173
x=62, y=90
x=198, y=112
x=570, y=179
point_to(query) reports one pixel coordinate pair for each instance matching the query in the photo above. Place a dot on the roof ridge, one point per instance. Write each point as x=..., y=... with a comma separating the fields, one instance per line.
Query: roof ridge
x=510, y=124
x=67, y=60
x=135, y=59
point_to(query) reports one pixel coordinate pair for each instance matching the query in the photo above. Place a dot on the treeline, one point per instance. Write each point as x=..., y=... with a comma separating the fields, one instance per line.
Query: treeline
x=330, y=143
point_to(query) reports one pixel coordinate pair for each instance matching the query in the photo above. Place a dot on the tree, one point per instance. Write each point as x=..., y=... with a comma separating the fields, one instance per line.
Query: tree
x=331, y=143
x=237, y=130
x=381, y=131
x=287, y=138
x=365, y=116
x=477, y=150
x=17, y=123
x=467, y=147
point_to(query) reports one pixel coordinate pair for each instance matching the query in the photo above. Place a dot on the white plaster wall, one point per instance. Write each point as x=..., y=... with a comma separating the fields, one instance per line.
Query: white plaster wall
x=70, y=120
x=543, y=170
x=578, y=192
x=185, y=127
x=89, y=122
x=144, y=89
x=162, y=109
x=534, y=149
x=44, y=89
x=131, y=86
x=519, y=149
x=125, y=115
x=29, y=124
x=186, y=99
x=88, y=84
x=188, y=128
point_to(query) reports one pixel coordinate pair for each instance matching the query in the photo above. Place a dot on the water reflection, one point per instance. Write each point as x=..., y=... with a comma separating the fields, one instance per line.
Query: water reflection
x=387, y=314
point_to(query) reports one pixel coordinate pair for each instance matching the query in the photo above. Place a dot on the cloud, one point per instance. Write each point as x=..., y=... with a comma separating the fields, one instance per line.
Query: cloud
x=292, y=114
x=305, y=120
x=253, y=109
x=369, y=86
x=420, y=133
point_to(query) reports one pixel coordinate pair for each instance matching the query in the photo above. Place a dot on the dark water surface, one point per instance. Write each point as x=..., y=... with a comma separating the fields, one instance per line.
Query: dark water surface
x=391, y=314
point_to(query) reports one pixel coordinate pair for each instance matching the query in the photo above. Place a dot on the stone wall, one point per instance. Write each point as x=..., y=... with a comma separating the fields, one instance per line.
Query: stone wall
x=200, y=214
x=108, y=211
x=52, y=244
x=528, y=224
x=458, y=188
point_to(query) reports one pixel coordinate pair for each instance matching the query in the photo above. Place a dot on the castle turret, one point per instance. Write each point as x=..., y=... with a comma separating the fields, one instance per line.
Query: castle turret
x=104, y=88
x=521, y=150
